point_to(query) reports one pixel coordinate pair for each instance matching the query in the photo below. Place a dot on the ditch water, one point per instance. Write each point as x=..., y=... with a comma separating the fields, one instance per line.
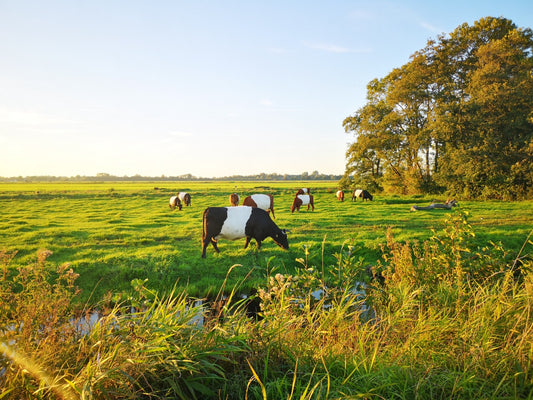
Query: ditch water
x=205, y=310
x=213, y=309
x=209, y=309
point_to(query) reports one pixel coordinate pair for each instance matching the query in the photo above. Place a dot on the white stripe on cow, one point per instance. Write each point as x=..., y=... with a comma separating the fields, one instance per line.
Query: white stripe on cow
x=262, y=201
x=306, y=199
x=233, y=227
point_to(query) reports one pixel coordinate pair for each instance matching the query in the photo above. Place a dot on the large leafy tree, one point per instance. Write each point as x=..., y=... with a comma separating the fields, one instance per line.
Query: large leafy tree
x=375, y=143
x=458, y=114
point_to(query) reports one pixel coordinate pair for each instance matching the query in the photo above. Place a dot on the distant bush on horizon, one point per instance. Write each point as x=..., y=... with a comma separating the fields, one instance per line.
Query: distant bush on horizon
x=103, y=177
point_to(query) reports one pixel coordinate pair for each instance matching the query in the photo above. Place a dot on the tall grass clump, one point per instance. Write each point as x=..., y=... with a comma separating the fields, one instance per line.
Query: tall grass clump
x=35, y=328
x=459, y=314
x=150, y=347
x=438, y=319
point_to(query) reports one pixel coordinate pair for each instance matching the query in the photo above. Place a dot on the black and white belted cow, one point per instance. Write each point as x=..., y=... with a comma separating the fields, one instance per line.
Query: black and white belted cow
x=174, y=202
x=262, y=201
x=240, y=222
x=302, y=200
x=363, y=194
x=185, y=198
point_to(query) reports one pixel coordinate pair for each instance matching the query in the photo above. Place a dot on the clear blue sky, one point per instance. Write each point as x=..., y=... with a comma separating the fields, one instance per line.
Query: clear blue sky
x=210, y=88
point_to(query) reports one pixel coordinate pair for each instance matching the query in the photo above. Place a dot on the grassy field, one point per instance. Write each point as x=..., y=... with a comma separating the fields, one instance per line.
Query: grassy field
x=450, y=316
x=112, y=233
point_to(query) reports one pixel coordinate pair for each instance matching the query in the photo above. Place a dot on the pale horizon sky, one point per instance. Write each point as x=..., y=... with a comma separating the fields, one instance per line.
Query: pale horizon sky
x=208, y=88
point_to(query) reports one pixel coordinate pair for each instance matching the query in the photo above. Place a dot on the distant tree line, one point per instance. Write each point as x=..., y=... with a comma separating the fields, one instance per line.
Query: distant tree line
x=458, y=117
x=105, y=177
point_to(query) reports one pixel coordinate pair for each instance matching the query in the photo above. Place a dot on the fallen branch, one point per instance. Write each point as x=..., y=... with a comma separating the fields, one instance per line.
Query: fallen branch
x=448, y=205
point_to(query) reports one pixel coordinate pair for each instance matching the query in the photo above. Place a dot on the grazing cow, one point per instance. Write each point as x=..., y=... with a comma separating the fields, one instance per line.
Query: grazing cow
x=238, y=222
x=185, y=198
x=263, y=201
x=303, y=191
x=234, y=199
x=448, y=205
x=362, y=194
x=302, y=200
x=174, y=202
x=340, y=195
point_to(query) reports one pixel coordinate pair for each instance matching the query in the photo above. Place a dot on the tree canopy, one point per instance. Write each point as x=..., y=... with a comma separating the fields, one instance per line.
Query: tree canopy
x=457, y=117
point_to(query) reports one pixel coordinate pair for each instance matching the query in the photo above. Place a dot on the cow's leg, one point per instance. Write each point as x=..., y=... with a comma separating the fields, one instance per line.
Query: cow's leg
x=247, y=242
x=258, y=244
x=214, y=243
x=273, y=213
x=205, y=243
x=313, y=206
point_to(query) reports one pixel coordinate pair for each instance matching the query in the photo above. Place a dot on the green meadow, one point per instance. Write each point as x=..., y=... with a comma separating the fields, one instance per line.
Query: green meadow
x=114, y=233
x=449, y=315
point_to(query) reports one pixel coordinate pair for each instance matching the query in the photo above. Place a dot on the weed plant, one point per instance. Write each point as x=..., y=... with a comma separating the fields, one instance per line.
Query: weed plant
x=438, y=318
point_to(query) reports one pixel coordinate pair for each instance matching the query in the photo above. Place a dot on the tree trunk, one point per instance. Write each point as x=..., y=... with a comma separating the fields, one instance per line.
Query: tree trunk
x=448, y=205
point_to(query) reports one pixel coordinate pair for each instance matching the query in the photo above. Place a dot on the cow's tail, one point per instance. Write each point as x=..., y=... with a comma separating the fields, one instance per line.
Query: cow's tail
x=204, y=219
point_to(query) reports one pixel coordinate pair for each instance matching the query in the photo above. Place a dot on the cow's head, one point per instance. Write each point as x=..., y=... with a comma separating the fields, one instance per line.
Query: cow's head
x=280, y=238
